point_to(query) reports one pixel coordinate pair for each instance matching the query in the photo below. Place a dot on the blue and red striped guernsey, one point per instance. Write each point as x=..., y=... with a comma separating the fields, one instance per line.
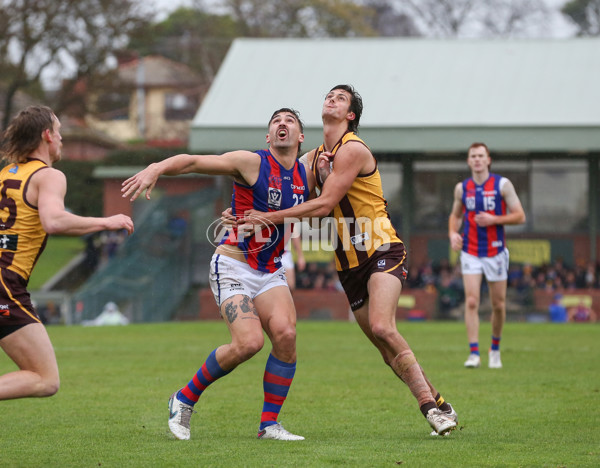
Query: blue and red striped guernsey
x=483, y=241
x=276, y=188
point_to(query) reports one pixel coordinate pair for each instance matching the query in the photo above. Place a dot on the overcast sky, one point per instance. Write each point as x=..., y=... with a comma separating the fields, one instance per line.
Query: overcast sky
x=559, y=27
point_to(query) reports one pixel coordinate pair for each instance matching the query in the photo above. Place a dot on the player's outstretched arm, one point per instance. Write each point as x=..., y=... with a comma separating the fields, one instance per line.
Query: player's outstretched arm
x=243, y=165
x=47, y=191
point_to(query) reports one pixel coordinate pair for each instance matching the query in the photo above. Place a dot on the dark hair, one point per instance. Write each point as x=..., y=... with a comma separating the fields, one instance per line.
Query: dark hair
x=290, y=111
x=356, y=105
x=477, y=145
x=24, y=134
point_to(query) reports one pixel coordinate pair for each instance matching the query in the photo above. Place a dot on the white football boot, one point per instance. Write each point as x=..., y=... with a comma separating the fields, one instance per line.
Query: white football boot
x=440, y=421
x=494, y=361
x=277, y=432
x=452, y=415
x=179, y=417
x=474, y=360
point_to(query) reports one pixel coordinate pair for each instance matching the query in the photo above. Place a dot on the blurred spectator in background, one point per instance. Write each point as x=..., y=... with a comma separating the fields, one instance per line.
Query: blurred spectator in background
x=177, y=225
x=581, y=313
x=450, y=292
x=110, y=315
x=111, y=241
x=557, y=310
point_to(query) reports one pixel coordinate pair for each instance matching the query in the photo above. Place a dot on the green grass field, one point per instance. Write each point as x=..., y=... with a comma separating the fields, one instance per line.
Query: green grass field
x=111, y=411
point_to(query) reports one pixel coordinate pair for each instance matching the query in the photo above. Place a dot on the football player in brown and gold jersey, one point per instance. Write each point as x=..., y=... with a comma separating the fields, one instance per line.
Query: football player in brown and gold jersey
x=32, y=206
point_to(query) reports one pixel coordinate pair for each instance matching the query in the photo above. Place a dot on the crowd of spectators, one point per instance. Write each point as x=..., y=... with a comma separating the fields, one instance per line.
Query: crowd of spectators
x=557, y=276
x=318, y=276
x=446, y=280
x=439, y=275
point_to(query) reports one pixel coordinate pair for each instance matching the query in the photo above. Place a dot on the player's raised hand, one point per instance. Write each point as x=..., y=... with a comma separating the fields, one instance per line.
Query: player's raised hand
x=143, y=180
x=325, y=165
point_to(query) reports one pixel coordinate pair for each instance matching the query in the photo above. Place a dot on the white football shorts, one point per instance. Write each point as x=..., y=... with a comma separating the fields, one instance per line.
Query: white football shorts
x=229, y=277
x=493, y=268
x=287, y=260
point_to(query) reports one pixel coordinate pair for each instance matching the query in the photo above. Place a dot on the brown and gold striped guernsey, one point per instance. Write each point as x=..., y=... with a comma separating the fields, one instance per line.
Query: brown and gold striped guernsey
x=22, y=238
x=361, y=218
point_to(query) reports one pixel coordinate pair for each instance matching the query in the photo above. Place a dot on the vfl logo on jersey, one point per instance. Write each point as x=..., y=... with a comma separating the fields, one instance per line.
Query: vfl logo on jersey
x=470, y=203
x=13, y=170
x=381, y=264
x=274, y=198
x=9, y=241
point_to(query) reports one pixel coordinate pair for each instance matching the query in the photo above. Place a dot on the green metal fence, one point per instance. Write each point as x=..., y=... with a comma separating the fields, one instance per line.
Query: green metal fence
x=154, y=268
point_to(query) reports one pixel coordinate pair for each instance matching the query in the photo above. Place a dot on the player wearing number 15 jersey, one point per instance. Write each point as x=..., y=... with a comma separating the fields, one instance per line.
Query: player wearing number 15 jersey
x=483, y=203
x=31, y=207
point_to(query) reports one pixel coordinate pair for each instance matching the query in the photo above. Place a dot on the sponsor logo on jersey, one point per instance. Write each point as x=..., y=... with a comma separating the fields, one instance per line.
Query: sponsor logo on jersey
x=9, y=241
x=360, y=238
x=274, y=181
x=13, y=170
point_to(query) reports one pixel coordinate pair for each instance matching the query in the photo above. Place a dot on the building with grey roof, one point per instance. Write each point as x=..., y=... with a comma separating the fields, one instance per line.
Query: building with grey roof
x=536, y=103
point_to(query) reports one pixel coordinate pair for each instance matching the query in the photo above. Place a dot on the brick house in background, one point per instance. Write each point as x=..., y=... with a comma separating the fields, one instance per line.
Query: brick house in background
x=81, y=143
x=153, y=99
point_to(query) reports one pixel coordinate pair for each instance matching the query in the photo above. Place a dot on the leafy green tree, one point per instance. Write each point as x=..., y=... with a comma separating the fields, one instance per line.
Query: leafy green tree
x=585, y=14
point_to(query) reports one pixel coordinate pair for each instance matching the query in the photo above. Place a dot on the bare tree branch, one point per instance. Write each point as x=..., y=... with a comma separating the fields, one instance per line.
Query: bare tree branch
x=79, y=34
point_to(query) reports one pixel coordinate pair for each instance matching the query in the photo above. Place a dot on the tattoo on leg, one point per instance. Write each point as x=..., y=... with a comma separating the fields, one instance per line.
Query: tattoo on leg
x=231, y=311
x=247, y=306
